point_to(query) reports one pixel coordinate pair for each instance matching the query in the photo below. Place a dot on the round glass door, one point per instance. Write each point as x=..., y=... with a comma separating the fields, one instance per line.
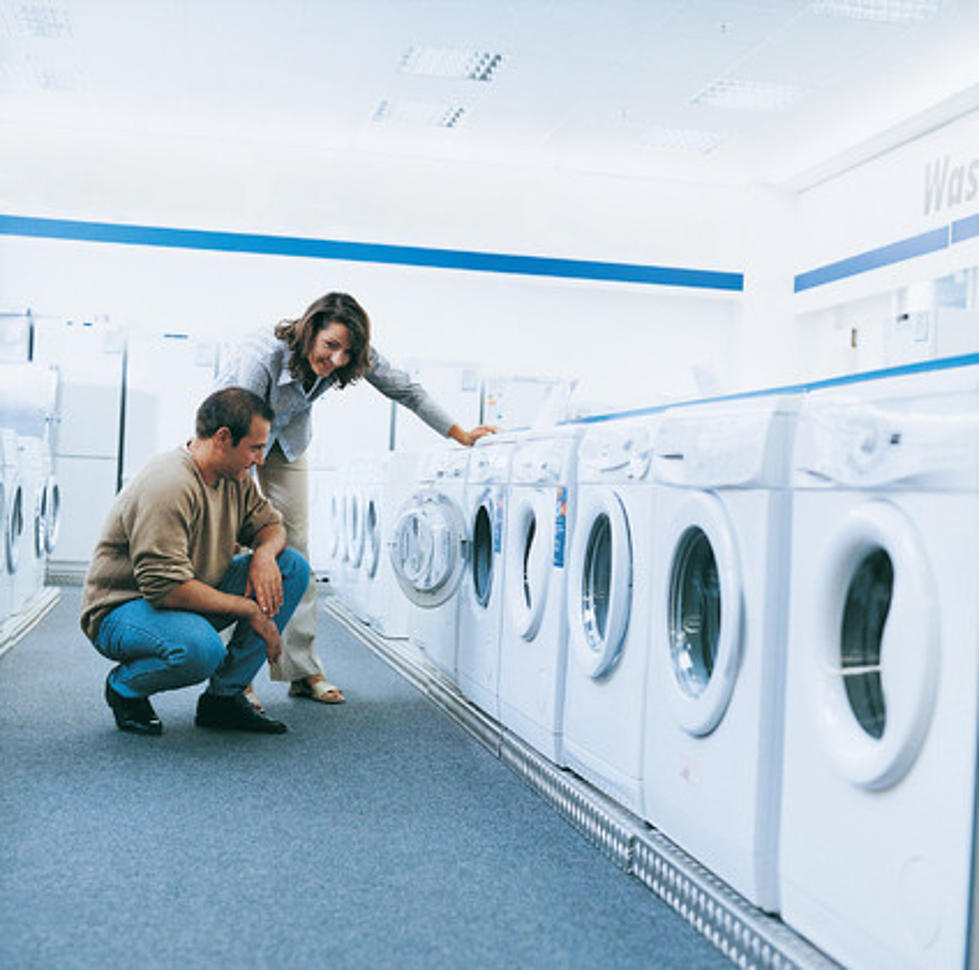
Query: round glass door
x=695, y=612
x=51, y=513
x=530, y=544
x=372, y=539
x=875, y=628
x=355, y=529
x=482, y=555
x=429, y=549
x=15, y=527
x=600, y=583
x=703, y=597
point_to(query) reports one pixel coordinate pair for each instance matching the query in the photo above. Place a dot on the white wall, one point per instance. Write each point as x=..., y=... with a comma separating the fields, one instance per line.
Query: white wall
x=631, y=344
x=868, y=320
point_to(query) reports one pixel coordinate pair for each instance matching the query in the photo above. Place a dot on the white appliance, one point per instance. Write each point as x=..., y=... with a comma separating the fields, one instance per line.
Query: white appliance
x=533, y=644
x=12, y=526
x=89, y=358
x=358, y=491
x=350, y=422
x=455, y=386
x=882, y=703
x=429, y=550
x=29, y=577
x=609, y=603
x=385, y=609
x=324, y=518
x=481, y=596
x=513, y=402
x=15, y=336
x=168, y=375
x=714, y=701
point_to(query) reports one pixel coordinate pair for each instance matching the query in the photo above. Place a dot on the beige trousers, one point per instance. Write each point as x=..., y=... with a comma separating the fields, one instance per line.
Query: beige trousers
x=286, y=485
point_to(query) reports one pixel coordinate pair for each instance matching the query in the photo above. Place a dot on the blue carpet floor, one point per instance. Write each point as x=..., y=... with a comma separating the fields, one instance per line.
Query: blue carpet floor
x=375, y=834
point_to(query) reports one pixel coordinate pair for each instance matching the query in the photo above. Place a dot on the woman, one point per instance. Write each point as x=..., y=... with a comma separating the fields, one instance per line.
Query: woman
x=290, y=367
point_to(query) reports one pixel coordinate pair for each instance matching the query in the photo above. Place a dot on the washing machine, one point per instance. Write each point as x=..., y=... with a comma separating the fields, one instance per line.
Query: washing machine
x=609, y=594
x=361, y=502
x=32, y=561
x=385, y=609
x=714, y=695
x=12, y=526
x=534, y=636
x=322, y=536
x=878, y=839
x=429, y=551
x=481, y=596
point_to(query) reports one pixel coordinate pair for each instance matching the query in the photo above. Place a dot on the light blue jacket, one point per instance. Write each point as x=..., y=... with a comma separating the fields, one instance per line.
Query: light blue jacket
x=261, y=364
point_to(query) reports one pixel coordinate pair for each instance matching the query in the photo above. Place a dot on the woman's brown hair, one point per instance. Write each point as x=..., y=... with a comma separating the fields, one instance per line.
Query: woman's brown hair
x=300, y=334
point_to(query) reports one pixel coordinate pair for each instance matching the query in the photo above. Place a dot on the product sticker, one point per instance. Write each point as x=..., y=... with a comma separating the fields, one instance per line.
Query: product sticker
x=560, y=525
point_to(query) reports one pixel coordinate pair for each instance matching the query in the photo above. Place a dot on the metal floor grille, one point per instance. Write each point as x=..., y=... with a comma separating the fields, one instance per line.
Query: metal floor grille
x=749, y=937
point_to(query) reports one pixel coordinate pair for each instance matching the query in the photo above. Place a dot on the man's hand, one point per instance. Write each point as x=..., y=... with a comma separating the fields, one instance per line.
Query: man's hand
x=264, y=583
x=262, y=624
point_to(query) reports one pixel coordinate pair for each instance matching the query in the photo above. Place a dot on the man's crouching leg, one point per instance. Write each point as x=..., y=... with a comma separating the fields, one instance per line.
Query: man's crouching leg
x=223, y=704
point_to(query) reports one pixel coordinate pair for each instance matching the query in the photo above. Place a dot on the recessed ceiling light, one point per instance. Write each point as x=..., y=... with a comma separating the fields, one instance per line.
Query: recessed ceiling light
x=449, y=62
x=885, y=11
x=747, y=95
x=419, y=113
x=43, y=20
x=683, y=140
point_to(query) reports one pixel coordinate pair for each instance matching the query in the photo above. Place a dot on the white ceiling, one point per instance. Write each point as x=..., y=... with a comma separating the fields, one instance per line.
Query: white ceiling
x=605, y=85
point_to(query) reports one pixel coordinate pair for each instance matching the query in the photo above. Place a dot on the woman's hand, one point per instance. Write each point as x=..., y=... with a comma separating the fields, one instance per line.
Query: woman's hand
x=469, y=438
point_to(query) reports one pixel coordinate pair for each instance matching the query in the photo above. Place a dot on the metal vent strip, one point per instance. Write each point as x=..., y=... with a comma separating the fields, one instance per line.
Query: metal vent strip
x=750, y=938
x=15, y=627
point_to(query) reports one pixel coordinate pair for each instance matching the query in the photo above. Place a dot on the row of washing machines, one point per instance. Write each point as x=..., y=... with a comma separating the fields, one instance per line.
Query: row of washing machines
x=753, y=621
x=30, y=498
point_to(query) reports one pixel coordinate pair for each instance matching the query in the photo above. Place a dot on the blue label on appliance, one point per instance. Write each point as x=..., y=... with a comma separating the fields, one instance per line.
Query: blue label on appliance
x=498, y=525
x=560, y=525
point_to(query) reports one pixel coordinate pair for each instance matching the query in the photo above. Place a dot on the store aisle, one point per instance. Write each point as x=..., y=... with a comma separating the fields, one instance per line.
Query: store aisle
x=374, y=834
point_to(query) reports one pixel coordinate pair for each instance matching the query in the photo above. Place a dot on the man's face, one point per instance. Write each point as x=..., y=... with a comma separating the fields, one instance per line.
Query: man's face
x=238, y=459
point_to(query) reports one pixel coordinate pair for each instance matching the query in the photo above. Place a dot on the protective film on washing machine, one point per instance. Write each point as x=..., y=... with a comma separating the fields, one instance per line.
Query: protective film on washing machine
x=560, y=525
x=498, y=525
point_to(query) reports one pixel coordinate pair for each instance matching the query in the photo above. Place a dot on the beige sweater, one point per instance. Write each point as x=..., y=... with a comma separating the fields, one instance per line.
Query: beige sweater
x=165, y=527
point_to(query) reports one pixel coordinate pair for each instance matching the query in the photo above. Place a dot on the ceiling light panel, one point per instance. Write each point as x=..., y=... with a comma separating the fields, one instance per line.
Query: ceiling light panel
x=741, y=95
x=883, y=11
x=409, y=112
x=470, y=65
x=42, y=20
x=683, y=140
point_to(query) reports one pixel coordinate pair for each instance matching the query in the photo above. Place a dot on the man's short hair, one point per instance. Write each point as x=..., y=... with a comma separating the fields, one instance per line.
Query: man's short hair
x=232, y=408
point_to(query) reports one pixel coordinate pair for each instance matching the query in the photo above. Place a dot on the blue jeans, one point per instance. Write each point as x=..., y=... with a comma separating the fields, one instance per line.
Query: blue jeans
x=166, y=649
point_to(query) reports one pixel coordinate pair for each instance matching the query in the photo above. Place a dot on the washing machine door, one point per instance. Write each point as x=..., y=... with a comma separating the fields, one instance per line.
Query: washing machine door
x=14, y=525
x=529, y=556
x=334, y=542
x=874, y=666
x=429, y=548
x=372, y=538
x=355, y=528
x=600, y=583
x=704, y=596
x=50, y=514
x=485, y=542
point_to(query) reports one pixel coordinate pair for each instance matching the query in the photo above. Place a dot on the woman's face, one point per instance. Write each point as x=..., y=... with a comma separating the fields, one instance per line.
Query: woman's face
x=330, y=350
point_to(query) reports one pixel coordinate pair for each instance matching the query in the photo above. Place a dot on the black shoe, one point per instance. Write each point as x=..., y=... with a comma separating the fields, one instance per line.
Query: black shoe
x=234, y=713
x=133, y=714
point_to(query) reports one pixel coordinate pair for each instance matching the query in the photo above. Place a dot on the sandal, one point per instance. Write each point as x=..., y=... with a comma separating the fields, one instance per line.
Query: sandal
x=320, y=690
x=252, y=698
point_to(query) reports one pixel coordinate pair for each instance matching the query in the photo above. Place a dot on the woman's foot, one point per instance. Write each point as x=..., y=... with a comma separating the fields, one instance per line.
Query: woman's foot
x=252, y=698
x=317, y=688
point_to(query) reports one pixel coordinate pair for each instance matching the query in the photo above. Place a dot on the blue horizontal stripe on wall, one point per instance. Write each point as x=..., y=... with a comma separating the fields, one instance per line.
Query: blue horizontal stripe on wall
x=129, y=235
x=967, y=228
x=926, y=242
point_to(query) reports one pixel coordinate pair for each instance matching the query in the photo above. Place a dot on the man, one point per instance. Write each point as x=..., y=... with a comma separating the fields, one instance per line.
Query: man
x=164, y=578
